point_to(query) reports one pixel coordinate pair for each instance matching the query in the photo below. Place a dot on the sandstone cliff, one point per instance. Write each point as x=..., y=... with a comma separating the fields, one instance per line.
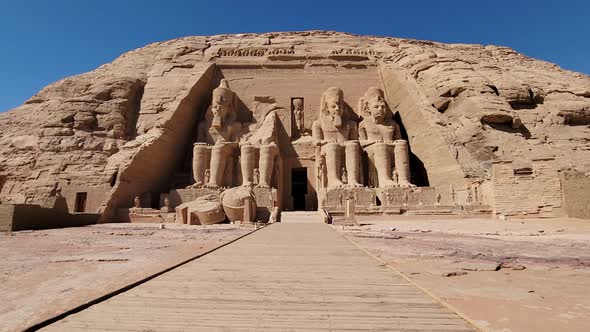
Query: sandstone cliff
x=117, y=128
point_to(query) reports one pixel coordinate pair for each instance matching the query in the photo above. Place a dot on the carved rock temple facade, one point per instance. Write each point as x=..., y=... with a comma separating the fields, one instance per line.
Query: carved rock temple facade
x=205, y=129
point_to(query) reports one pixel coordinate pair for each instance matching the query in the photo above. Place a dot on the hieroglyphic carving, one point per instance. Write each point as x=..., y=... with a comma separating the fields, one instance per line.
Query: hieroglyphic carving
x=254, y=52
x=353, y=51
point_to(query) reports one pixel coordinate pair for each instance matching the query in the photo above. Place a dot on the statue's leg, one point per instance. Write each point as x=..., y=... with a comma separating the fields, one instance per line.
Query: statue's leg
x=200, y=163
x=266, y=164
x=382, y=159
x=353, y=163
x=402, y=162
x=247, y=163
x=333, y=164
x=218, y=158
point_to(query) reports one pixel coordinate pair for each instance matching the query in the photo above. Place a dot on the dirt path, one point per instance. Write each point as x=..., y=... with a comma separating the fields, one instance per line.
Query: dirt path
x=516, y=275
x=44, y=273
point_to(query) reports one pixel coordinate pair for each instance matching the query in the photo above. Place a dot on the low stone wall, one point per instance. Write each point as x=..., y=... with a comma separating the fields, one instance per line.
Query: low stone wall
x=387, y=201
x=407, y=196
x=576, y=194
x=18, y=217
x=336, y=198
x=523, y=190
x=6, y=217
x=367, y=197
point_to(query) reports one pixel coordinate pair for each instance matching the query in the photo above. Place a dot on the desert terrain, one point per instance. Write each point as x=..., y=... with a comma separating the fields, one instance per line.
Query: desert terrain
x=513, y=275
x=44, y=273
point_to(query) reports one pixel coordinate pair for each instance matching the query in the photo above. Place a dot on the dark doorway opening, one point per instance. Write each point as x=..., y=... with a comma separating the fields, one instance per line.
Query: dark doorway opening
x=299, y=188
x=80, y=202
x=155, y=201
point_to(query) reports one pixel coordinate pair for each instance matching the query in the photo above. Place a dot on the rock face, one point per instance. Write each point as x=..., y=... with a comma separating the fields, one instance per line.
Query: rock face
x=470, y=114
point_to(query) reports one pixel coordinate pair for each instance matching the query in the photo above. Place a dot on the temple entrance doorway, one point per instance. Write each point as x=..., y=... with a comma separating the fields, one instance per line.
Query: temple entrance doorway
x=299, y=188
x=80, y=205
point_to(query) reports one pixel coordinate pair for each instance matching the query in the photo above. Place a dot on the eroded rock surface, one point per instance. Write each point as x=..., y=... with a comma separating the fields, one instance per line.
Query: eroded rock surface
x=115, y=131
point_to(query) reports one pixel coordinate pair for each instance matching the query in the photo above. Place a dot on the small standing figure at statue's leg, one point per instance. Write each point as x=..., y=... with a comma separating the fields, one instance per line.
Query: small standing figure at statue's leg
x=207, y=175
x=256, y=177
x=395, y=177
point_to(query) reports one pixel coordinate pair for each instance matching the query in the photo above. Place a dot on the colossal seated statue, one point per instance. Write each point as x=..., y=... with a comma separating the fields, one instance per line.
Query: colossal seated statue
x=335, y=133
x=380, y=136
x=217, y=136
x=261, y=140
x=220, y=134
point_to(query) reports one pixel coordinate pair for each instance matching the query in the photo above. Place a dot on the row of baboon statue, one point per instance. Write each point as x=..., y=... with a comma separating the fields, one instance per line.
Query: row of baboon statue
x=338, y=141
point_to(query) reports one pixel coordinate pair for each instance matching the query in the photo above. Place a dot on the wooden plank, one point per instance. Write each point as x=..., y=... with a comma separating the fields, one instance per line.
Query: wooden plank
x=293, y=276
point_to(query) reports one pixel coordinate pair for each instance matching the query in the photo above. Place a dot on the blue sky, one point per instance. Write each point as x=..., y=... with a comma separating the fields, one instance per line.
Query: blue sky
x=44, y=41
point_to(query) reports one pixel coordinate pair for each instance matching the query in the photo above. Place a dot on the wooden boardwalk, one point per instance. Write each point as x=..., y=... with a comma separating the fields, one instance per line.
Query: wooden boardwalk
x=286, y=277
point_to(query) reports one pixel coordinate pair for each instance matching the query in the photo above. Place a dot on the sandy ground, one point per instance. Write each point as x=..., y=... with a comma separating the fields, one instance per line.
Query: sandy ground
x=514, y=275
x=43, y=273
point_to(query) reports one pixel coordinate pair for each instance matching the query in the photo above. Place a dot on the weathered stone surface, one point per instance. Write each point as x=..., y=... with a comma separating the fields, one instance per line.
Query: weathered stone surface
x=205, y=210
x=235, y=201
x=128, y=127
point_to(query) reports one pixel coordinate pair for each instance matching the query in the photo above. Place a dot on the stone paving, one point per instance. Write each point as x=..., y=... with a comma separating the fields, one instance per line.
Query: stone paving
x=290, y=276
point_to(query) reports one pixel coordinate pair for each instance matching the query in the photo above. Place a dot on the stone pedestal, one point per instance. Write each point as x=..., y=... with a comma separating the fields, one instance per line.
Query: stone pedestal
x=350, y=213
x=416, y=196
x=336, y=198
x=266, y=200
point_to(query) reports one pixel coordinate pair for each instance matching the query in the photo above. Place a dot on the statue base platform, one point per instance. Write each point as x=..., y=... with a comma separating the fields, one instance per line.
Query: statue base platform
x=414, y=201
x=266, y=200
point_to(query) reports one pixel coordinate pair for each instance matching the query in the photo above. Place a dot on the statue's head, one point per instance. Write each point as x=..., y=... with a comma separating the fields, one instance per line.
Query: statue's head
x=297, y=104
x=332, y=105
x=373, y=104
x=223, y=105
